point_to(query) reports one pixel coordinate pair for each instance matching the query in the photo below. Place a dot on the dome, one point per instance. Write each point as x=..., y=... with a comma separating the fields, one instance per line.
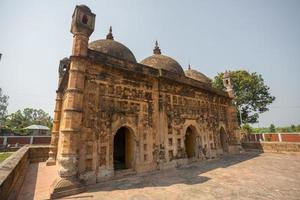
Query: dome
x=163, y=62
x=194, y=74
x=111, y=47
x=159, y=61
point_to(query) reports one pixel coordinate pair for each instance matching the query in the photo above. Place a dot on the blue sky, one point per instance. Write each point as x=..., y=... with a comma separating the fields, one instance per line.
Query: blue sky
x=212, y=35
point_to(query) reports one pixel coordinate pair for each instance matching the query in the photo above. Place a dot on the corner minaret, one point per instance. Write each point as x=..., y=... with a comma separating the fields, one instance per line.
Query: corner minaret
x=63, y=69
x=235, y=139
x=83, y=21
x=228, y=84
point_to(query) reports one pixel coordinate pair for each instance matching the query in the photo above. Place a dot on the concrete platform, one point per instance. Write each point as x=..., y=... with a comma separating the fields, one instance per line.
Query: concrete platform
x=248, y=175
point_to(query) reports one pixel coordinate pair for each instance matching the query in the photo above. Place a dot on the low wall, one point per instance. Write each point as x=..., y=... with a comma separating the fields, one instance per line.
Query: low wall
x=290, y=137
x=274, y=137
x=38, y=153
x=22, y=140
x=272, y=146
x=13, y=169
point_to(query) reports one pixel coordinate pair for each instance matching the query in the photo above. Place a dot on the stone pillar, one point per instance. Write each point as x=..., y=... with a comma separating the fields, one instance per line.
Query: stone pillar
x=279, y=137
x=55, y=130
x=70, y=126
x=31, y=140
x=5, y=140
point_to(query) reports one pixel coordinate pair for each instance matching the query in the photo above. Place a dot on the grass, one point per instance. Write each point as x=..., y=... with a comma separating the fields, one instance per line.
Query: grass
x=4, y=155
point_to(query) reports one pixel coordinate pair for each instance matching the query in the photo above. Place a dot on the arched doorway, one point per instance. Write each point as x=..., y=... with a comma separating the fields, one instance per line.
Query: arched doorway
x=190, y=142
x=123, y=149
x=223, y=140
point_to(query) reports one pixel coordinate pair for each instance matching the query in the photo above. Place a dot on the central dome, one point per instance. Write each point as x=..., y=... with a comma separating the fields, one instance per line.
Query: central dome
x=113, y=48
x=196, y=75
x=159, y=61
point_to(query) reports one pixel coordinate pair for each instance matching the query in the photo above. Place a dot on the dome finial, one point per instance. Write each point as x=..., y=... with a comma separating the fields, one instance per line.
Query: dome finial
x=110, y=36
x=156, y=49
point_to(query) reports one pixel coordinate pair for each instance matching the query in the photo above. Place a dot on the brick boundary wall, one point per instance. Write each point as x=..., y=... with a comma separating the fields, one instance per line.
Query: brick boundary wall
x=273, y=137
x=277, y=147
x=13, y=169
x=15, y=142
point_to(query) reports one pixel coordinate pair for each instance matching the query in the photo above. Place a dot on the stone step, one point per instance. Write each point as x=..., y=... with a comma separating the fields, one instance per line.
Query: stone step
x=124, y=173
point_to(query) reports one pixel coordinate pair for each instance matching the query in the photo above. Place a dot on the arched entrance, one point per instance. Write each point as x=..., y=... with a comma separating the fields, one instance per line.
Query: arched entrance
x=190, y=142
x=123, y=149
x=223, y=140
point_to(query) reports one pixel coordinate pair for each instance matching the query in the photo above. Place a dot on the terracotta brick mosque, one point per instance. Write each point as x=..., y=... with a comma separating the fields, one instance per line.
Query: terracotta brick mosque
x=116, y=116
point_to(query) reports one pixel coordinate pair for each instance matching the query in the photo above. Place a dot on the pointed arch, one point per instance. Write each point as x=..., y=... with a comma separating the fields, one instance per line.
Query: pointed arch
x=123, y=148
x=190, y=141
x=223, y=139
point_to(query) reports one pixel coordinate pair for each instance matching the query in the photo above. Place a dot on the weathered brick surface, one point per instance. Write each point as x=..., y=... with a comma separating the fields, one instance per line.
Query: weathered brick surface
x=38, y=153
x=12, y=173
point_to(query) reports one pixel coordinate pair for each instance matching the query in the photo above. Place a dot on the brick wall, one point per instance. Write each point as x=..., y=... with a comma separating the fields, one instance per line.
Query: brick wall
x=272, y=146
x=41, y=140
x=38, y=153
x=20, y=141
x=274, y=137
x=290, y=137
x=271, y=137
x=12, y=173
x=13, y=169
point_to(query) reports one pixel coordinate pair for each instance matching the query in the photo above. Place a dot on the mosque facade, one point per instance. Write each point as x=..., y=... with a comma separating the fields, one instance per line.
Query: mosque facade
x=115, y=116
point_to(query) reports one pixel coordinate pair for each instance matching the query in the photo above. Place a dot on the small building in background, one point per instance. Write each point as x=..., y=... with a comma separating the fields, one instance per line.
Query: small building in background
x=35, y=130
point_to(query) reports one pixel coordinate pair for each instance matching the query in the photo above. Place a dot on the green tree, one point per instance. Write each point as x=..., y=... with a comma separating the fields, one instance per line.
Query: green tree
x=293, y=128
x=252, y=96
x=247, y=129
x=272, y=128
x=298, y=128
x=3, y=105
x=21, y=119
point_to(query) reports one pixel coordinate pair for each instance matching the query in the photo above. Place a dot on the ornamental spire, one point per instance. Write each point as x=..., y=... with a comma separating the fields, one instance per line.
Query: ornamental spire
x=156, y=49
x=110, y=36
x=189, y=67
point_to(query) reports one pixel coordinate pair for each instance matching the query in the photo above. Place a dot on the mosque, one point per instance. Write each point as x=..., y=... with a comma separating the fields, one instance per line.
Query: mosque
x=115, y=116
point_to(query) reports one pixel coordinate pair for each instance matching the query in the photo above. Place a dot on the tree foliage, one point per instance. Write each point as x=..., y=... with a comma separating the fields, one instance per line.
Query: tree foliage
x=3, y=105
x=247, y=129
x=21, y=119
x=252, y=96
x=284, y=129
x=272, y=128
